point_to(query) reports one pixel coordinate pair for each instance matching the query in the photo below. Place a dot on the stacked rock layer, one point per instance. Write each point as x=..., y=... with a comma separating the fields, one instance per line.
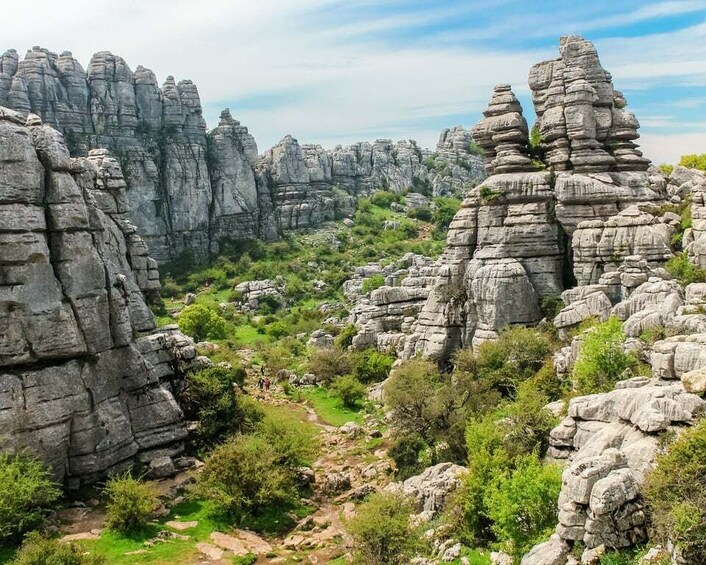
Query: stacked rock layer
x=84, y=374
x=567, y=210
x=188, y=189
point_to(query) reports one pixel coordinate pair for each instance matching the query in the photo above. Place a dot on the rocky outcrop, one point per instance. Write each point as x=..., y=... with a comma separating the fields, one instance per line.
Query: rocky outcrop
x=188, y=189
x=84, y=375
x=569, y=209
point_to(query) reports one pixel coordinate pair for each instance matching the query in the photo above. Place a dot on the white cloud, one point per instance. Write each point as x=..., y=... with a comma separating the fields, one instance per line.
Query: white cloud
x=667, y=148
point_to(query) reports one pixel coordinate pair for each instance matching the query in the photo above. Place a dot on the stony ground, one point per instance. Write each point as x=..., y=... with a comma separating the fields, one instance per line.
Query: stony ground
x=353, y=462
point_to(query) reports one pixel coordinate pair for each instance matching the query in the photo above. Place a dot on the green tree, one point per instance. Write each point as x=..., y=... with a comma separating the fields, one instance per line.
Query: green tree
x=675, y=495
x=244, y=477
x=201, y=322
x=350, y=390
x=27, y=495
x=131, y=503
x=369, y=365
x=601, y=360
x=522, y=503
x=381, y=530
x=209, y=398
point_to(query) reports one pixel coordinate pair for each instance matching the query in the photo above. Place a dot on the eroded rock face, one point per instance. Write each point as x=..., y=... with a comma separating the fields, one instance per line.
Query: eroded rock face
x=84, y=374
x=188, y=189
x=573, y=213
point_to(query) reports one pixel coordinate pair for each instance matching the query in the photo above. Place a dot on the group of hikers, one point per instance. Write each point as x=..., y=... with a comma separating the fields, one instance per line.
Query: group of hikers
x=263, y=383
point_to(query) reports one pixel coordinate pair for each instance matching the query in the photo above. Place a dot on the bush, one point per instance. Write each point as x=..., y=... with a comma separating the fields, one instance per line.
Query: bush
x=209, y=398
x=406, y=451
x=601, y=360
x=423, y=213
x=201, y=322
x=244, y=477
x=518, y=354
x=444, y=212
x=345, y=339
x=277, y=329
x=666, y=169
x=350, y=390
x=370, y=366
x=676, y=497
x=294, y=442
x=327, y=364
x=381, y=530
x=522, y=503
x=694, y=161
x=131, y=503
x=27, y=495
x=372, y=283
x=383, y=198
x=38, y=550
x=684, y=270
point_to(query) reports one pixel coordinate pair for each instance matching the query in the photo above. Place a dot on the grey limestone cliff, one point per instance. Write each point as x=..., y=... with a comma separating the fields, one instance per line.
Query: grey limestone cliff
x=84, y=374
x=187, y=188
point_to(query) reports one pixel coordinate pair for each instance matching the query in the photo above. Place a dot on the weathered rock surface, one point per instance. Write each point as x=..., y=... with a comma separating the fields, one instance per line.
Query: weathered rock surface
x=188, y=189
x=84, y=374
x=575, y=213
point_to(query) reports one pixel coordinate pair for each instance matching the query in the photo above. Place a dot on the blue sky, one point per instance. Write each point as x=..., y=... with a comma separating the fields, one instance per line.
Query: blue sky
x=335, y=71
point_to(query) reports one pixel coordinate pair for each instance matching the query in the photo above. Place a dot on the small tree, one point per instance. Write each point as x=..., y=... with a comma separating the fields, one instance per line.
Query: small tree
x=209, y=398
x=675, y=495
x=244, y=477
x=350, y=390
x=201, y=322
x=329, y=363
x=601, y=359
x=522, y=503
x=131, y=503
x=369, y=365
x=27, y=495
x=381, y=530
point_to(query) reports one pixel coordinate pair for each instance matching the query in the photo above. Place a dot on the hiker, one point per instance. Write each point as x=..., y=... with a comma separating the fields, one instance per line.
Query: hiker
x=267, y=384
x=261, y=384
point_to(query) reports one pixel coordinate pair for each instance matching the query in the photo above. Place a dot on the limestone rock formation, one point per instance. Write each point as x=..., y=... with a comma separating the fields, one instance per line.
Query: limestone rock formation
x=535, y=227
x=188, y=189
x=84, y=374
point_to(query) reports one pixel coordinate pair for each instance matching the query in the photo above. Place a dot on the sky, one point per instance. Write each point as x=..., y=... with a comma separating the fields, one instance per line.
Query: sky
x=339, y=71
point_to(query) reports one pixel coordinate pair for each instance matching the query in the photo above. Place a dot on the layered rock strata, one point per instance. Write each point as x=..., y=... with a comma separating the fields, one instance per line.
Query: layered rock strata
x=567, y=210
x=188, y=189
x=84, y=374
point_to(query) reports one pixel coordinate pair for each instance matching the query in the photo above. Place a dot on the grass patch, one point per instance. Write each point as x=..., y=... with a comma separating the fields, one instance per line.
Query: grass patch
x=328, y=407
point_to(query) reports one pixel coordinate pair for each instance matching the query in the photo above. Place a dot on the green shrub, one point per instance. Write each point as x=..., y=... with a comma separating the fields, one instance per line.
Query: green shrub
x=487, y=194
x=522, y=503
x=551, y=306
x=423, y=213
x=277, y=329
x=487, y=458
x=406, y=451
x=350, y=390
x=372, y=283
x=666, y=169
x=244, y=477
x=131, y=503
x=444, y=212
x=27, y=495
x=684, y=270
x=209, y=398
x=294, y=442
x=384, y=198
x=474, y=149
x=676, y=497
x=370, y=366
x=694, y=161
x=327, y=364
x=518, y=354
x=601, y=360
x=201, y=322
x=268, y=304
x=345, y=338
x=381, y=531
x=39, y=550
